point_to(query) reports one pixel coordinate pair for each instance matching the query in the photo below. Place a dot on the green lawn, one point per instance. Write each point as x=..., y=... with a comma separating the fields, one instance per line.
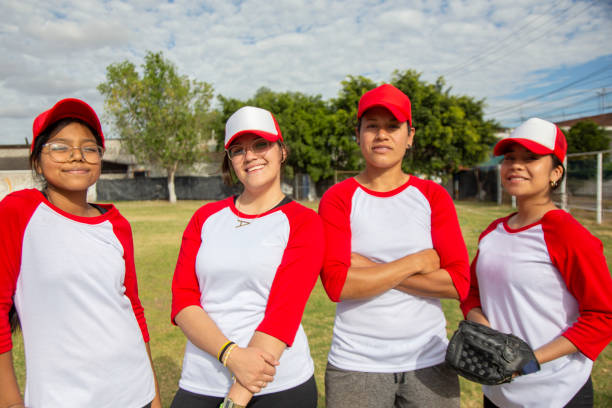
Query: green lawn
x=158, y=227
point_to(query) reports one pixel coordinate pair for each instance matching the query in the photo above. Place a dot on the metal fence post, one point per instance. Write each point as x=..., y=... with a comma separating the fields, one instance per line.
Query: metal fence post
x=599, y=196
x=499, y=185
x=564, y=187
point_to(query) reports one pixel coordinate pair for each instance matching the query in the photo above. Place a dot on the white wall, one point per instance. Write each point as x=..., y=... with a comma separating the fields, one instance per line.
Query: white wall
x=13, y=180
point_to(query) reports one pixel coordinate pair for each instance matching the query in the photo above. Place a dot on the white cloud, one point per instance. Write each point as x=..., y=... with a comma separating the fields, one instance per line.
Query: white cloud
x=55, y=49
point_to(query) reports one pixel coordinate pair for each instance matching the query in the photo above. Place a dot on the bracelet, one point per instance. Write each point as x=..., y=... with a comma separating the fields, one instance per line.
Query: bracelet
x=222, y=350
x=227, y=353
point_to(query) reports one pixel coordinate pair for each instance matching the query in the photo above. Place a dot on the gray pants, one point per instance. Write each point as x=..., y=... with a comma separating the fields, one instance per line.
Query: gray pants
x=436, y=386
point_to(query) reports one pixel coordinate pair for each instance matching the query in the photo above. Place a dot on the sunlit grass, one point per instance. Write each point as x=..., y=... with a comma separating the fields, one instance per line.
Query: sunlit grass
x=158, y=227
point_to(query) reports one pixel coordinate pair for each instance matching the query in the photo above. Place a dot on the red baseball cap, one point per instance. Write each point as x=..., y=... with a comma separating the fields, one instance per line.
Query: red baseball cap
x=250, y=119
x=66, y=108
x=388, y=97
x=537, y=135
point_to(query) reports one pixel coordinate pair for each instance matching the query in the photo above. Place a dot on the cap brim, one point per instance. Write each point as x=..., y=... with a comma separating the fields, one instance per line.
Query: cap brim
x=503, y=145
x=268, y=136
x=395, y=111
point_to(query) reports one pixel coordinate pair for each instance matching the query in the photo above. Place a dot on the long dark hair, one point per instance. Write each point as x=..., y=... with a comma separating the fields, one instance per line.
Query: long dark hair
x=39, y=142
x=14, y=319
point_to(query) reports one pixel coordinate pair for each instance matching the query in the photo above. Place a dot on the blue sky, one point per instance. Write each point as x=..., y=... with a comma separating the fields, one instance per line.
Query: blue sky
x=525, y=58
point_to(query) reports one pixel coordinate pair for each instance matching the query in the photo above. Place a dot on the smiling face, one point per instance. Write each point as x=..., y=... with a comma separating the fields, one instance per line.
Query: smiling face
x=257, y=167
x=75, y=174
x=382, y=139
x=525, y=174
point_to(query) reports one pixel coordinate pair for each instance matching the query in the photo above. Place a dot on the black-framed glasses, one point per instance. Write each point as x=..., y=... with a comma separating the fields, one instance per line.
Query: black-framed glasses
x=258, y=146
x=62, y=152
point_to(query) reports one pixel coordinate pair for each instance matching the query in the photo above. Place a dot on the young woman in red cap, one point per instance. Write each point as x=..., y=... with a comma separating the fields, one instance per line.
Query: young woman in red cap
x=393, y=248
x=67, y=271
x=245, y=270
x=542, y=276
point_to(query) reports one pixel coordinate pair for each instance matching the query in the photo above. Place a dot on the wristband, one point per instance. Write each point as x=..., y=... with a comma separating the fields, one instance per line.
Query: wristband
x=227, y=353
x=228, y=403
x=223, y=349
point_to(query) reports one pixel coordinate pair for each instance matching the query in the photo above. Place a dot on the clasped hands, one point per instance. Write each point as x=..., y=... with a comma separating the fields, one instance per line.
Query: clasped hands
x=252, y=367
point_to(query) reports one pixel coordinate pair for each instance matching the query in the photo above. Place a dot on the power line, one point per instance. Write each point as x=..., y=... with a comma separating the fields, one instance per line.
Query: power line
x=570, y=96
x=507, y=52
x=554, y=91
x=498, y=44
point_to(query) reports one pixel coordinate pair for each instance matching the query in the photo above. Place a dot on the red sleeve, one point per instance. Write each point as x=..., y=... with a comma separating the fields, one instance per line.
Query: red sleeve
x=296, y=274
x=579, y=257
x=335, y=211
x=16, y=209
x=185, y=286
x=446, y=236
x=473, y=297
x=123, y=232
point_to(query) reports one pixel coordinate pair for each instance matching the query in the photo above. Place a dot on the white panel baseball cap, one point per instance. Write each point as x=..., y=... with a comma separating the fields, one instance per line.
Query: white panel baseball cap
x=537, y=135
x=250, y=119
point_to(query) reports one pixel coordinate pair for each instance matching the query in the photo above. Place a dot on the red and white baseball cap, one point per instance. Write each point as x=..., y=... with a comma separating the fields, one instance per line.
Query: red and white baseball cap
x=250, y=119
x=537, y=135
x=66, y=108
x=388, y=97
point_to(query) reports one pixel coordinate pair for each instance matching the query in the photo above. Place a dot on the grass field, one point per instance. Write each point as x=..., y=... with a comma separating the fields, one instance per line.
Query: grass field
x=158, y=227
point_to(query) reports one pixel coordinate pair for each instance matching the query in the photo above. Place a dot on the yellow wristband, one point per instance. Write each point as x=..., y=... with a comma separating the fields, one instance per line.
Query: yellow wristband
x=227, y=353
x=223, y=347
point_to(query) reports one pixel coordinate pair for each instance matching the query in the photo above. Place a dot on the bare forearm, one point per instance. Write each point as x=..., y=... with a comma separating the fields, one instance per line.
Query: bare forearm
x=559, y=347
x=157, y=400
x=9, y=389
x=477, y=315
x=364, y=281
x=437, y=284
x=200, y=329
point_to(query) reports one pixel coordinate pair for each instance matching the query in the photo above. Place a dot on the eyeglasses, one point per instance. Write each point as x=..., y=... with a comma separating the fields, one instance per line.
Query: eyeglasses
x=259, y=146
x=61, y=152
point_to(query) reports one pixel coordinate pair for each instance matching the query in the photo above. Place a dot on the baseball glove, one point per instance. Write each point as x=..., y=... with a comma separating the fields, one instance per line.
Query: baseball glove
x=488, y=356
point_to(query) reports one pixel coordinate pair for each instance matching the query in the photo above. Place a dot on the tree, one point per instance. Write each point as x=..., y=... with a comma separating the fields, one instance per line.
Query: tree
x=344, y=151
x=161, y=116
x=450, y=129
x=586, y=136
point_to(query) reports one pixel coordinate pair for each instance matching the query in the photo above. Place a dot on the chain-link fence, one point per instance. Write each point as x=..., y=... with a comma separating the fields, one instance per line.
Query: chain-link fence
x=588, y=183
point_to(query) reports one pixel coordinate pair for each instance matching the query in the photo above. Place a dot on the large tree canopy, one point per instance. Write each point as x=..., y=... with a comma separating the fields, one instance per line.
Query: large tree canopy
x=161, y=116
x=304, y=121
x=586, y=136
x=451, y=131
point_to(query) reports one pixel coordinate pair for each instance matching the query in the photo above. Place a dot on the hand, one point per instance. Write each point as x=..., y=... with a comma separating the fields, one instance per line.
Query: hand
x=253, y=368
x=360, y=261
x=428, y=259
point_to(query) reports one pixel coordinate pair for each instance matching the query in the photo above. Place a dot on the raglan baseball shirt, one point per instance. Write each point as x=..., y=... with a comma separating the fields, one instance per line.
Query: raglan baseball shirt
x=394, y=331
x=73, y=283
x=249, y=273
x=539, y=282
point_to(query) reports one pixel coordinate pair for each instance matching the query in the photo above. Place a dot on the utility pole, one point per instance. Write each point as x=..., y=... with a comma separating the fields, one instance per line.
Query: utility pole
x=602, y=99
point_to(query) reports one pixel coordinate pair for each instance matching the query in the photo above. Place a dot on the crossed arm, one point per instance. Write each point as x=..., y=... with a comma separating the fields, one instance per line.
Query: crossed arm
x=416, y=274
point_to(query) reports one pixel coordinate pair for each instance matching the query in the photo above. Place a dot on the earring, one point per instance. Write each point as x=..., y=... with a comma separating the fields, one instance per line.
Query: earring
x=409, y=146
x=554, y=184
